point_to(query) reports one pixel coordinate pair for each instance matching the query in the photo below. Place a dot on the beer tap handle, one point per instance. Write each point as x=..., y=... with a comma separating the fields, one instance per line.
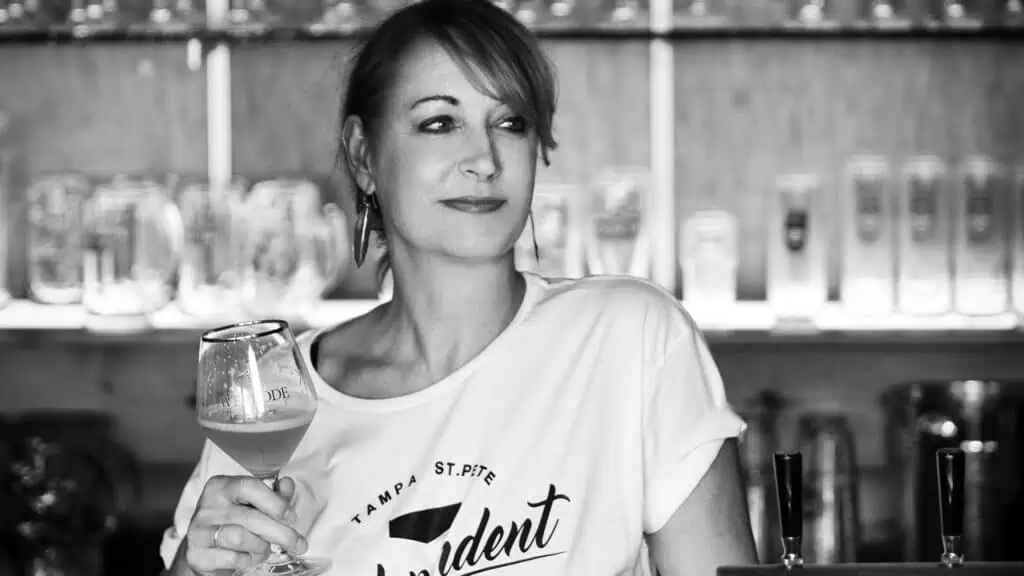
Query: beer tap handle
x=951, y=463
x=789, y=485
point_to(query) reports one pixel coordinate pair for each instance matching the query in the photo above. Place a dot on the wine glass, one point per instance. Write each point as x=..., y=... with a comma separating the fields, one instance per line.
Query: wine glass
x=255, y=400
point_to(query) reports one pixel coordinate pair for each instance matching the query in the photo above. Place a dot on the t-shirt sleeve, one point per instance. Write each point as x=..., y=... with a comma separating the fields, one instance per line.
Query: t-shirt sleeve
x=686, y=419
x=212, y=462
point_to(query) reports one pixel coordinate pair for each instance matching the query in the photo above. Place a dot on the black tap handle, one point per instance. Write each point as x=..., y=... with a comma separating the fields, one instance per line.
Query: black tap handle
x=789, y=485
x=951, y=471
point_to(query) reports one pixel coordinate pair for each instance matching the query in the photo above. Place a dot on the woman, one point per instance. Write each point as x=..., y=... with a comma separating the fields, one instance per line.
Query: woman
x=484, y=419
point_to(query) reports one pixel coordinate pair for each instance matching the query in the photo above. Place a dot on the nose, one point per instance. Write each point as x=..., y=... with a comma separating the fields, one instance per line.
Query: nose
x=481, y=160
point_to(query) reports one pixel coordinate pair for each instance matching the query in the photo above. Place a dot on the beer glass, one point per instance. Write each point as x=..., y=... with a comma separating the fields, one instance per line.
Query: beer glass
x=255, y=401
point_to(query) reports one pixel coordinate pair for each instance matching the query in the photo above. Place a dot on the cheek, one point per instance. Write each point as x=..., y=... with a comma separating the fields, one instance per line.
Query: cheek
x=519, y=159
x=410, y=174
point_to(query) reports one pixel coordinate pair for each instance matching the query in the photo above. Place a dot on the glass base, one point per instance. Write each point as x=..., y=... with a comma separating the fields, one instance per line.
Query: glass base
x=289, y=567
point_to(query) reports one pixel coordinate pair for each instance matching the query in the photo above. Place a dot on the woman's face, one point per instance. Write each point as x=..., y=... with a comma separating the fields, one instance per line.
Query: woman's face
x=453, y=167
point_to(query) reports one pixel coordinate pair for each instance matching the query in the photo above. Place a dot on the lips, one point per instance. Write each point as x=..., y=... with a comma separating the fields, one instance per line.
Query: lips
x=474, y=204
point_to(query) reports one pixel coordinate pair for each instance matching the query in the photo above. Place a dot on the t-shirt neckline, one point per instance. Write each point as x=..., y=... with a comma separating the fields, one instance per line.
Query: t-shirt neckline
x=328, y=394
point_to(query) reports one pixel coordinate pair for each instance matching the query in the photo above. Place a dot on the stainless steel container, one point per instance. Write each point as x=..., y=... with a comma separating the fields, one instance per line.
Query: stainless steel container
x=830, y=514
x=986, y=419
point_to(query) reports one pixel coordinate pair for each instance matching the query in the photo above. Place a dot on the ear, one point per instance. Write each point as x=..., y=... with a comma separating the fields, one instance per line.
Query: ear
x=357, y=153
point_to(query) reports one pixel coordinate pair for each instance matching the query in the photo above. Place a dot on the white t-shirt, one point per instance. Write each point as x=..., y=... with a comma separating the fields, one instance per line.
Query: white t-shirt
x=582, y=426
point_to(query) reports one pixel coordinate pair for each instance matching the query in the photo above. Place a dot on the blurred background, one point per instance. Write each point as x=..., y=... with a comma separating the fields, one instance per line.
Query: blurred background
x=835, y=189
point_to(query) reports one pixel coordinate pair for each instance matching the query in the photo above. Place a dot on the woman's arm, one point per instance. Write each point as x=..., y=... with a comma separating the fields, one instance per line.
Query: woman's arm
x=711, y=528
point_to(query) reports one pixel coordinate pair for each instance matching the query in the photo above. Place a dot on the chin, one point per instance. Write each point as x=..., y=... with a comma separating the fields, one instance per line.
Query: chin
x=481, y=249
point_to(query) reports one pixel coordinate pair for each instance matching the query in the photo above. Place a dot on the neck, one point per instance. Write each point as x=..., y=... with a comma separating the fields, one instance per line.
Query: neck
x=443, y=313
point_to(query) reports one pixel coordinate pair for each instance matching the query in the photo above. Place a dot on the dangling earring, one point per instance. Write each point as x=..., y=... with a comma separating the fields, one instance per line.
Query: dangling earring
x=533, y=234
x=366, y=218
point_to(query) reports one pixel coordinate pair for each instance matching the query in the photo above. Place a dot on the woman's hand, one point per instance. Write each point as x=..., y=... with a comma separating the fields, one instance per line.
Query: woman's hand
x=236, y=520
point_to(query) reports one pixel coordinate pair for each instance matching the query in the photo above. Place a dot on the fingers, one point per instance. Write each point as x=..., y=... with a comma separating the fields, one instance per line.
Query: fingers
x=253, y=492
x=208, y=560
x=265, y=527
x=286, y=489
x=249, y=515
x=237, y=538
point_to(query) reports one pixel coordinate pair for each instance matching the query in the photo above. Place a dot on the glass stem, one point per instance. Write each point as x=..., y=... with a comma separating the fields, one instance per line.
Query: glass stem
x=277, y=555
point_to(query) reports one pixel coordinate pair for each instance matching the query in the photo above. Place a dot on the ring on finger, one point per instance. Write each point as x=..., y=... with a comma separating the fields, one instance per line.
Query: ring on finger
x=216, y=535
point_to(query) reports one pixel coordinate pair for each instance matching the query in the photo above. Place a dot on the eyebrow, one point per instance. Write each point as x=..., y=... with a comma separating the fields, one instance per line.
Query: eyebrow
x=442, y=97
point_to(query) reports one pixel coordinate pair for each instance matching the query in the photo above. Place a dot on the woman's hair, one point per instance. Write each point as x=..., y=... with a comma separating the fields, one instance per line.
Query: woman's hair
x=500, y=56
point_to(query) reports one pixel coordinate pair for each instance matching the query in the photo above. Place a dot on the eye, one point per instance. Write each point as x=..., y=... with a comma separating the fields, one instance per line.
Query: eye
x=515, y=124
x=437, y=125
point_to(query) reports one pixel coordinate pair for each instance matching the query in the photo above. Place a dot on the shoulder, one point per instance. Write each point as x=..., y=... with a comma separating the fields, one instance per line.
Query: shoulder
x=634, y=305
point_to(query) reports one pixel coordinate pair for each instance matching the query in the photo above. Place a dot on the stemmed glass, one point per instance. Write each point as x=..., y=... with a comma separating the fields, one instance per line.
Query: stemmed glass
x=255, y=401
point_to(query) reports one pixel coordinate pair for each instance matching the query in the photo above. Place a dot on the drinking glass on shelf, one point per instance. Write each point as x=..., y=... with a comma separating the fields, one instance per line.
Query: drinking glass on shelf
x=209, y=278
x=810, y=14
x=16, y=15
x=249, y=16
x=626, y=14
x=529, y=12
x=698, y=14
x=55, y=241
x=171, y=16
x=962, y=14
x=1013, y=13
x=562, y=13
x=88, y=17
x=343, y=16
x=888, y=14
x=255, y=401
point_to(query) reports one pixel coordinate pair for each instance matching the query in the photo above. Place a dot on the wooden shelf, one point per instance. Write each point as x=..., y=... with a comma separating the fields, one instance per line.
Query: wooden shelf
x=26, y=322
x=305, y=34
x=753, y=323
x=746, y=323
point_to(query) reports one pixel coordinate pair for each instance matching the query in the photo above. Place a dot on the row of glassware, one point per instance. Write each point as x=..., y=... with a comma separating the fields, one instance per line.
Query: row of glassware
x=85, y=17
x=127, y=246
x=124, y=247
x=924, y=238
x=852, y=14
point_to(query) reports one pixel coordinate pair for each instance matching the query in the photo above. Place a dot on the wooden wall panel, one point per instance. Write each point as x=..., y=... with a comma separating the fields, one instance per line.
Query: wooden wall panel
x=147, y=389
x=106, y=108
x=99, y=109
x=747, y=109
